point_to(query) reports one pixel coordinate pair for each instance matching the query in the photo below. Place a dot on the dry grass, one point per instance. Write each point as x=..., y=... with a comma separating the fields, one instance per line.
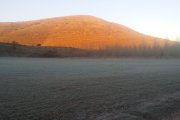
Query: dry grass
x=84, y=32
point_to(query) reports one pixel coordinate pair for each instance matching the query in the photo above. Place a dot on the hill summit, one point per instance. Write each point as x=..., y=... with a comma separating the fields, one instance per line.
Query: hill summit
x=83, y=32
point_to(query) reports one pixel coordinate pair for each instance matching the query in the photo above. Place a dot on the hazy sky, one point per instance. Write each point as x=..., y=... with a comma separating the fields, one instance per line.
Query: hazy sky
x=154, y=17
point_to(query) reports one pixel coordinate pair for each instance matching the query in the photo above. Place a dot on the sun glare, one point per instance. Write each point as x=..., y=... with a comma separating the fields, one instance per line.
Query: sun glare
x=161, y=30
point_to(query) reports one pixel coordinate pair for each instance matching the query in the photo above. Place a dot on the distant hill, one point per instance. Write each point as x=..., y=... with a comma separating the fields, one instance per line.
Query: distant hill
x=83, y=32
x=79, y=36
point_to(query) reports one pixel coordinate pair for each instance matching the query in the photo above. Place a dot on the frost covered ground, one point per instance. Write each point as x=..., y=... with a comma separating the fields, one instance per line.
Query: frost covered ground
x=89, y=89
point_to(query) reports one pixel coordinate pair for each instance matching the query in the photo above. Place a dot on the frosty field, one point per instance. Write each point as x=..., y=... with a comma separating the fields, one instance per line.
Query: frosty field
x=89, y=89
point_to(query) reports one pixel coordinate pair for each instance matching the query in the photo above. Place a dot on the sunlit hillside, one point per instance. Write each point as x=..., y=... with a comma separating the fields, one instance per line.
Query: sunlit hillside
x=84, y=32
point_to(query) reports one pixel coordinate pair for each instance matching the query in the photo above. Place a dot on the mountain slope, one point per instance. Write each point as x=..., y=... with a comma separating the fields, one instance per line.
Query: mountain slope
x=84, y=32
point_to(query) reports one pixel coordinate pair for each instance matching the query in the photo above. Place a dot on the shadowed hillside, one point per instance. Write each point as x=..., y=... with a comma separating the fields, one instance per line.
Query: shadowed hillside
x=84, y=32
x=17, y=50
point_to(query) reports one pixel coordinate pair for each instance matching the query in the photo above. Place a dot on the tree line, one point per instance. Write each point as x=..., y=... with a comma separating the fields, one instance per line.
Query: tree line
x=115, y=51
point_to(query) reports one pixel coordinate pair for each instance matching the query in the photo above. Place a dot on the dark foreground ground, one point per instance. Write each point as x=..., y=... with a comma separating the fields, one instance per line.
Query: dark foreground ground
x=89, y=89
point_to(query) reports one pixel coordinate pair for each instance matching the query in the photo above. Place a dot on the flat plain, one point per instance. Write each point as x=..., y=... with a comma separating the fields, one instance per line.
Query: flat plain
x=89, y=89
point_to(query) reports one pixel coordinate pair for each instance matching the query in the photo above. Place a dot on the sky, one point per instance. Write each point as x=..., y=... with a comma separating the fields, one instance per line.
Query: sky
x=160, y=18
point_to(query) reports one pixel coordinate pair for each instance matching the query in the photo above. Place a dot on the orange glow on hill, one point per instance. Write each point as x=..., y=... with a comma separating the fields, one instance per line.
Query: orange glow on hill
x=85, y=32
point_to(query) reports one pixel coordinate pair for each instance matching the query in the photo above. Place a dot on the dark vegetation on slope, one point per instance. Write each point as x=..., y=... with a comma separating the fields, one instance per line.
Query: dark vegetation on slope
x=17, y=50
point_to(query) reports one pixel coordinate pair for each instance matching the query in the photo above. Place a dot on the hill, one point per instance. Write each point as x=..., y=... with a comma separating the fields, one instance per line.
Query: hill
x=83, y=32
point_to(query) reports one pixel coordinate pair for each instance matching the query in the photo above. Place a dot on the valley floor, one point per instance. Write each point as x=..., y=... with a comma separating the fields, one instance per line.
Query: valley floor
x=89, y=89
